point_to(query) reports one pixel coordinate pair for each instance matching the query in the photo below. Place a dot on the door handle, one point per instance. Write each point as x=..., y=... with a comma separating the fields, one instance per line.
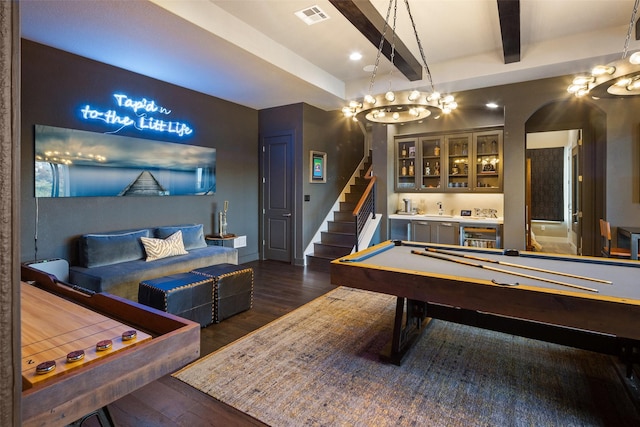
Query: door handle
x=287, y=214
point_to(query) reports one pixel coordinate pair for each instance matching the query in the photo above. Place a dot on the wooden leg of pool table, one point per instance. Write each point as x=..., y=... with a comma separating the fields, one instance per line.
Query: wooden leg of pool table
x=629, y=354
x=405, y=333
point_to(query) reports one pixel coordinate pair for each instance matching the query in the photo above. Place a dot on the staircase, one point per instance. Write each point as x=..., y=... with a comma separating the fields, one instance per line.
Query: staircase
x=340, y=237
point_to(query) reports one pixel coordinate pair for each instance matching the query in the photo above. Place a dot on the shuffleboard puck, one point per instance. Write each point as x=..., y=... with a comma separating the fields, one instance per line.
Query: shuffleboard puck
x=103, y=345
x=129, y=335
x=46, y=367
x=75, y=356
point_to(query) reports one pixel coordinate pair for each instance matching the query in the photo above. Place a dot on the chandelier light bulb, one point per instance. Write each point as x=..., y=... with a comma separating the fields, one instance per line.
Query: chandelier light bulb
x=414, y=95
x=635, y=58
x=634, y=85
x=354, y=104
x=381, y=113
x=396, y=116
x=603, y=69
x=434, y=96
x=370, y=99
x=623, y=82
x=582, y=80
x=582, y=92
x=390, y=96
x=573, y=88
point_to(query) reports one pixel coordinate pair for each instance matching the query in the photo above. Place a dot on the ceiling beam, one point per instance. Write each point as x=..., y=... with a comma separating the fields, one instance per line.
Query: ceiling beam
x=509, y=13
x=364, y=16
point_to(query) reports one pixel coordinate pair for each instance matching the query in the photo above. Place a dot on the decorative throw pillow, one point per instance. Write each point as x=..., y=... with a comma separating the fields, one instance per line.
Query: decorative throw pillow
x=192, y=235
x=163, y=248
x=96, y=250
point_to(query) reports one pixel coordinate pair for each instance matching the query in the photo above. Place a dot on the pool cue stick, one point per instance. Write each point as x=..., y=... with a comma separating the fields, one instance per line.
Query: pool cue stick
x=500, y=270
x=510, y=264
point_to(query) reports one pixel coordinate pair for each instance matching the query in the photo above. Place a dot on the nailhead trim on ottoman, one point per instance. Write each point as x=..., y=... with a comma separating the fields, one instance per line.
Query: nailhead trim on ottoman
x=232, y=289
x=187, y=295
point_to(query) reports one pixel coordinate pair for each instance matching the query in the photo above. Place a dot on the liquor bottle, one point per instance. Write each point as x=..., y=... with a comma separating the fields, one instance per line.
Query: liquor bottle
x=411, y=169
x=436, y=150
x=494, y=146
x=404, y=151
x=436, y=168
x=427, y=169
x=404, y=168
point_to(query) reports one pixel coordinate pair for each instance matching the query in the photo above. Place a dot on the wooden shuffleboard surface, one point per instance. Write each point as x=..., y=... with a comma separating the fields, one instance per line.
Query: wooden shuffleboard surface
x=53, y=327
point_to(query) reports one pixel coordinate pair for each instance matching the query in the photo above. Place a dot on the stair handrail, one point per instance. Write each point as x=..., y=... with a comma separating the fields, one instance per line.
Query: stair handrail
x=366, y=205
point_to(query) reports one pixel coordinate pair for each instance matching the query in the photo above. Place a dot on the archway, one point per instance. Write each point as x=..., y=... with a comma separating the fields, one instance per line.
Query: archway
x=581, y=114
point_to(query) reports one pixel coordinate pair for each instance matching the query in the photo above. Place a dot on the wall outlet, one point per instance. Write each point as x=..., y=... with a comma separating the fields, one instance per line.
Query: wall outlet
x=542, y=227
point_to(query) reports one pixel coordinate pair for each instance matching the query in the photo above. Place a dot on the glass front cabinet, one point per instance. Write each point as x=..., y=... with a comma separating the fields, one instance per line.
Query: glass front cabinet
x=405, y=152
x=457, y=162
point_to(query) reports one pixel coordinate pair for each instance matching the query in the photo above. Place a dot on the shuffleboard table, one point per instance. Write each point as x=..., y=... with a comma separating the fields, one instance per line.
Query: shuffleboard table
x=584, y=302
x=82, y=351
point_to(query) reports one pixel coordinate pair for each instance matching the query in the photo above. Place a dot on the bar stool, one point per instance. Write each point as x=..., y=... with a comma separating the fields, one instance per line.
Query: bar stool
x=607, y=250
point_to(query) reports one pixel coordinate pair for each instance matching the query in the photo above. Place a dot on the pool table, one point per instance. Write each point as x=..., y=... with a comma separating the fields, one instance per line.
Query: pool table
x=583, y=311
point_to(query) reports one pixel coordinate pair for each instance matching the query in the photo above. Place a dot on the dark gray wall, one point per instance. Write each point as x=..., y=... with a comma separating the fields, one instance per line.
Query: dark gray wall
x=56, y=83
x=343, y=142
x=318, y=130
x=618, y=142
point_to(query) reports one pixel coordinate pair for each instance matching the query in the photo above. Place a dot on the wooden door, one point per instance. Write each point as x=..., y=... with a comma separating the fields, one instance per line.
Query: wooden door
x=277, y=151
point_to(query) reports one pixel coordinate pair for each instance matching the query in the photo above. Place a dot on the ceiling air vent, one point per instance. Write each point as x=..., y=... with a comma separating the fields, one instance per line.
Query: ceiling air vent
x=312, y=15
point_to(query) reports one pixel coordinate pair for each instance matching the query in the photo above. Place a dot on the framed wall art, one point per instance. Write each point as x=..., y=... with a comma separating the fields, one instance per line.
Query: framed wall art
x=318, y=169
x=75, y=163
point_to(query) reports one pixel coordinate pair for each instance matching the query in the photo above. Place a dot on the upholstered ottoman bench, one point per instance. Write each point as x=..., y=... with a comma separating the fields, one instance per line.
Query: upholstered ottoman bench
x=187, y=295
x=232, y=289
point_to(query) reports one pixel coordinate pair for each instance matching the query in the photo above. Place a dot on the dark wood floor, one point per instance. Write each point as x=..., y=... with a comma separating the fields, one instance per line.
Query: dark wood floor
x=278, y=289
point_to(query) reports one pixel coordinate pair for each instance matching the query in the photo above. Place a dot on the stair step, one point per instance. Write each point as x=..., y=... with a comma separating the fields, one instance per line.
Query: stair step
x=331, y=251
x=362, y=181
x=334, y=238
x=342, y=226
x=354, y=188
x=352, y=197
x=343, y=216
x=347, y=206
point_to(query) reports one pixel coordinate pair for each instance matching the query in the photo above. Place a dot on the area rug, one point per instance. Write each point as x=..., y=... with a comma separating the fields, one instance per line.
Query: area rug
x=319, y=366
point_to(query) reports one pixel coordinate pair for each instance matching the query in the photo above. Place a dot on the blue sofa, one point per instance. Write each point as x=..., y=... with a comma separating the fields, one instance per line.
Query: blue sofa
x=116, y=262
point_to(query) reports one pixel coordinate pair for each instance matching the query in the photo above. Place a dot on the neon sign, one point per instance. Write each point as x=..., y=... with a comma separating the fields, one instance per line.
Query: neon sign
x=141, y=114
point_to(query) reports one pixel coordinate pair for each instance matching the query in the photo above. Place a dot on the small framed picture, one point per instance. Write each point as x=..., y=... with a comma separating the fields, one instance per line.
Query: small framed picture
x=412, y=151
x=318, y=170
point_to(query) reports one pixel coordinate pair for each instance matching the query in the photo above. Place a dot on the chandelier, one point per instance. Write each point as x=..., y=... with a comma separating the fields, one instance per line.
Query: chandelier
x=404, y=106
x=617, y=79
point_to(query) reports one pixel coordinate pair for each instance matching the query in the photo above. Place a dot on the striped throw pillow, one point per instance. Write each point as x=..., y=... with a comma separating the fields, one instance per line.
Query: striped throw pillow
x=163, y=248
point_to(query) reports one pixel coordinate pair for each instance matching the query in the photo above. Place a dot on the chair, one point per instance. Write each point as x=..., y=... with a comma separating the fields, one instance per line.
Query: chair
x=607, y=250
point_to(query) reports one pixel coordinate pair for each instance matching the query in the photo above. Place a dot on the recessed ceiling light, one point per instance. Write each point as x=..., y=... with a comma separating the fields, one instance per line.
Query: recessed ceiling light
x=355, y=56
x=491, y=105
